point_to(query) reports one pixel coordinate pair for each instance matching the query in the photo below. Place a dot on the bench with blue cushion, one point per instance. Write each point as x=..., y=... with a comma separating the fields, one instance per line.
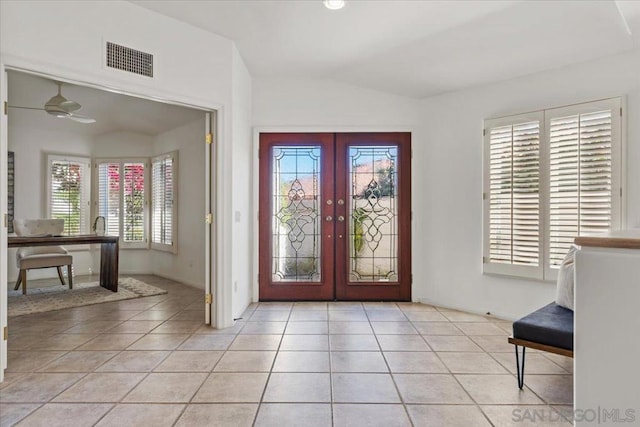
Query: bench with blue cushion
x=549, y=328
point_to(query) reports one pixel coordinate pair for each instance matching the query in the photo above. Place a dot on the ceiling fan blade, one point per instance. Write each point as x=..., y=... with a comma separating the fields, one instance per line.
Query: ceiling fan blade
x=81, y=119
x=26, y=108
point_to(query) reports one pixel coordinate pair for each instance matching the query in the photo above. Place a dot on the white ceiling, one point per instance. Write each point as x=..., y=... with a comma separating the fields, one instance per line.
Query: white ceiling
x=410, y=48
x=413, y=48
x=113, y=112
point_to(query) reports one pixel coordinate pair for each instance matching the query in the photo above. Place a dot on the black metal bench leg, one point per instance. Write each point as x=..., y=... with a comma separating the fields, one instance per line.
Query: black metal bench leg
x=520, y=366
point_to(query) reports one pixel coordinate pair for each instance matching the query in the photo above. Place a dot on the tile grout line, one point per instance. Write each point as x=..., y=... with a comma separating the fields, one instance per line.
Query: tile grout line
x=266, y=384
x=476, y=404
x=393, y=380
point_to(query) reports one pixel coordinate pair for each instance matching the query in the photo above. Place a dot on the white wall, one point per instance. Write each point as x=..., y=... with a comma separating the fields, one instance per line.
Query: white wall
x=242, y=189
x=124, y=145
x=31, y=146
x=327, y=104
x=188, y=264
x=448, y=168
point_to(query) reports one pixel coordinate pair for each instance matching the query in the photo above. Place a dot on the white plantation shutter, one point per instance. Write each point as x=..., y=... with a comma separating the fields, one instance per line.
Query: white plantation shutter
x=68, y=191
x=549, y=177
x=512, y=195
x=109, y=196
x=163, y=211
x=584, y=173
x=134, y=202
x=121, y=192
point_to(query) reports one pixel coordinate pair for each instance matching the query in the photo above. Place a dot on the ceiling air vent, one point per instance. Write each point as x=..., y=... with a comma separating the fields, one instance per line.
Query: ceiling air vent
x=131, y=60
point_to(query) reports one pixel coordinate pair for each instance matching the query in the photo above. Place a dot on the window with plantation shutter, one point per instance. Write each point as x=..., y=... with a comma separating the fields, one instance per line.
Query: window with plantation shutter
x=121, y=199
x=513, y=197
x=164, y=206
x=584, y=173
x=549, y=176
x=69, y=192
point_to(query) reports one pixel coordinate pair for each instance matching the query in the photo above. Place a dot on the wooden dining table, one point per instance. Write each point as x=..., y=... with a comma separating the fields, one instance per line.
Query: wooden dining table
x=109, y=251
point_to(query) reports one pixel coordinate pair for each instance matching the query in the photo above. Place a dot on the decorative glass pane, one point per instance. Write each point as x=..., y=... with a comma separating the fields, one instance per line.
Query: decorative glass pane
x=296, y=219
x=373, y=214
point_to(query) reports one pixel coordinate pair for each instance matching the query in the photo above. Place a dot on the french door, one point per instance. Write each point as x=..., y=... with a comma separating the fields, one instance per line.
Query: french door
x=335, y=216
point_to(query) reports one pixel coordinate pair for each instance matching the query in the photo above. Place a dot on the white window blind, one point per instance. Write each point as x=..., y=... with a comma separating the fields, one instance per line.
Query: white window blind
x=163, y=216
x=68, y=188
x=134, y=201
x=549, y=177
x=121, y=199
x=109, y=196
x=584, y=173
x=513, y=180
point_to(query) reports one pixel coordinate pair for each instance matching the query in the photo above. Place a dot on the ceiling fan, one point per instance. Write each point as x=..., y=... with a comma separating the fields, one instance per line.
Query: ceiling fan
x=61, y=107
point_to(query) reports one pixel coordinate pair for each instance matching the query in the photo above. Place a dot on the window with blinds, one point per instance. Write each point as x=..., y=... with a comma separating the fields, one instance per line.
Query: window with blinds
x=514, y=194
x=121, y=199
x=163, y=210
x=584, y=174
x=549, y=177
x=69, y=192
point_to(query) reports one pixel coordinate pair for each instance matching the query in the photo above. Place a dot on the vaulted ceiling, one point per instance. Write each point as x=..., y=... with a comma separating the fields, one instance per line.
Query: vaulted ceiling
x=413, y=48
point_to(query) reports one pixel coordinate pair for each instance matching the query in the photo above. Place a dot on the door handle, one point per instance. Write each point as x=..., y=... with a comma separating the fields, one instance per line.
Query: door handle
x=340, y=218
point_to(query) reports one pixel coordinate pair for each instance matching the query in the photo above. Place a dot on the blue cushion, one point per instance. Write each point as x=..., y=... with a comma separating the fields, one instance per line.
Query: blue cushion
x=551, y=325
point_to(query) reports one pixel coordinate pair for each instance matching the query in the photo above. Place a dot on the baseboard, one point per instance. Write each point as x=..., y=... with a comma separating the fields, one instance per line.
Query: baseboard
x=175, y=279
x=498, y=316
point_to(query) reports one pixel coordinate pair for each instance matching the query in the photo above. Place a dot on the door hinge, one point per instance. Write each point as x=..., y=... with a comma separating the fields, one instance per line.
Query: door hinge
x=209, y=138
x=208, y=299
x=5, y=333
x=6, y=108
x=620, y=111
x=484, y=132
x=411, y=278
x=209, y=218
x=620, y=191
x=484, y=196
x=6, y=220
x=484, y=259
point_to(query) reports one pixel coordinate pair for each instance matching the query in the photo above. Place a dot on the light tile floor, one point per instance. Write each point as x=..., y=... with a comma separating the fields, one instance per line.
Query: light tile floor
x=152, y=361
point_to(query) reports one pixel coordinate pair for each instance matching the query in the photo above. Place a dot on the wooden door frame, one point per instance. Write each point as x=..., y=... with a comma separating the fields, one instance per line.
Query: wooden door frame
x=257, y=130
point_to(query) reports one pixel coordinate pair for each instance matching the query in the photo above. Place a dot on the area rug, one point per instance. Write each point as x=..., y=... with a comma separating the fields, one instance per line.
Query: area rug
x=55, y=298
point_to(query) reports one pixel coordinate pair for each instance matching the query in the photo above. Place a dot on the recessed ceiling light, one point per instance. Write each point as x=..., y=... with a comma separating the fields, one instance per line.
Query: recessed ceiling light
x=333, y=4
